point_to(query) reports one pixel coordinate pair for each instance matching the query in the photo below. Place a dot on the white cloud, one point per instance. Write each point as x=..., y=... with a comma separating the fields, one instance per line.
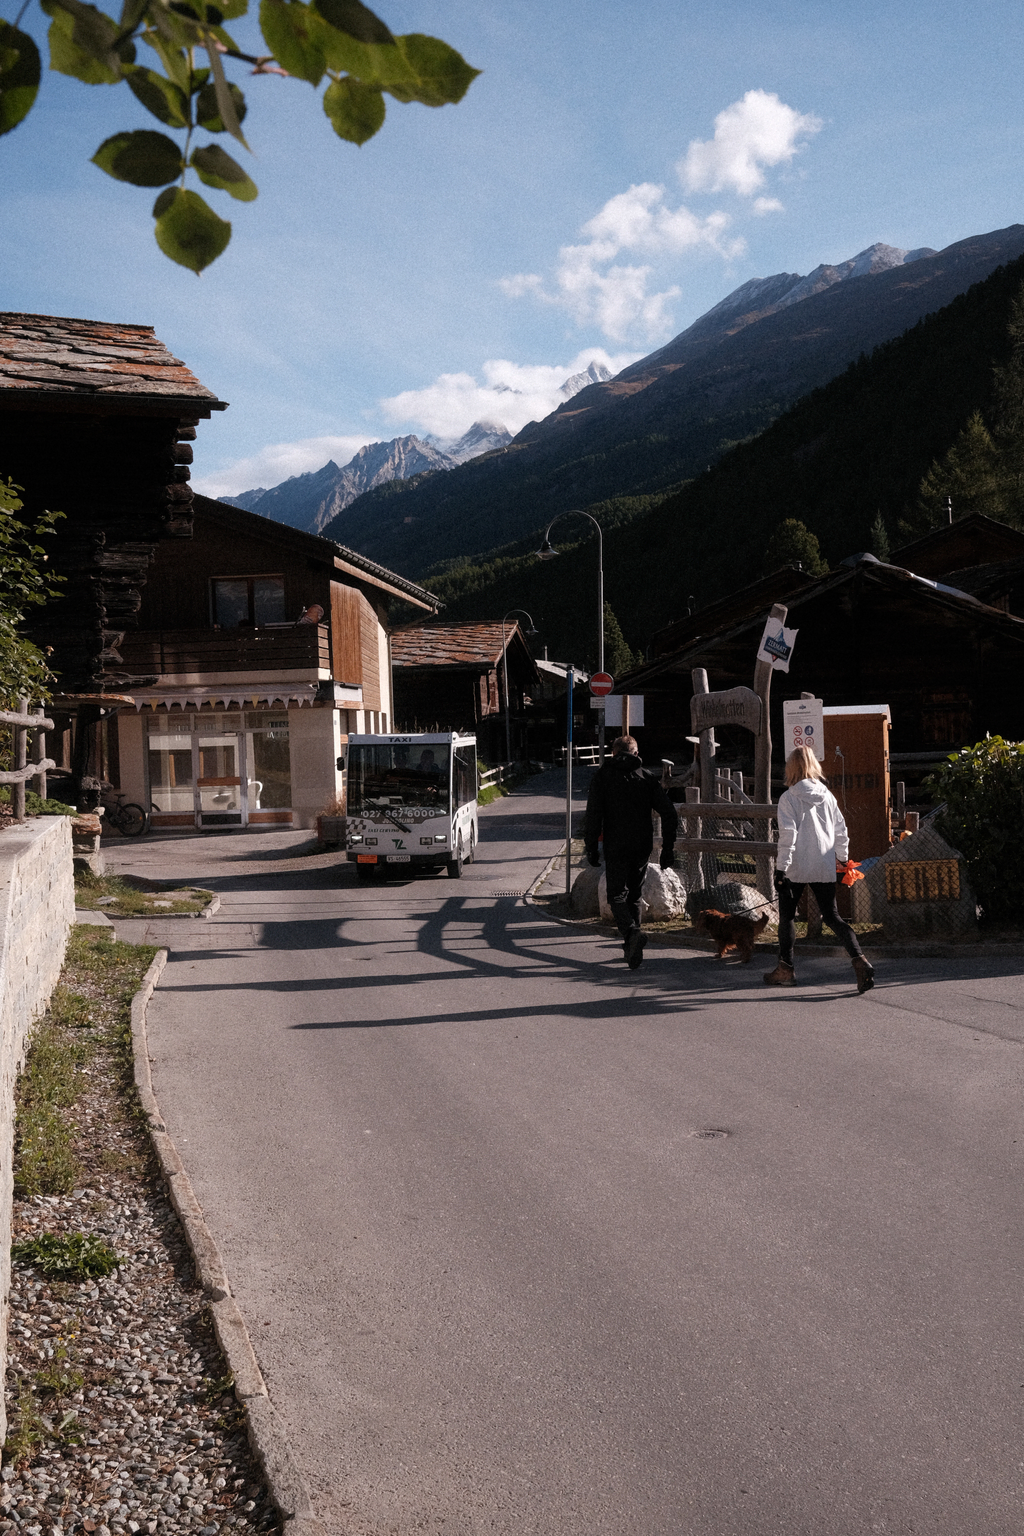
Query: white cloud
x=632, y=297
x=511, y=393
x=759, y=130
x=616, y=298
x=279, y=462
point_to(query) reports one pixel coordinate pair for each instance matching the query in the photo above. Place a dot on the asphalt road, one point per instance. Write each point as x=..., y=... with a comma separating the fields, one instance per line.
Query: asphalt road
x=531, y=1243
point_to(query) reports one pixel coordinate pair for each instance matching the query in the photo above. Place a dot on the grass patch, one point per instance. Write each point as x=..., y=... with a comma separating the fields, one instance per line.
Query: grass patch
x=67, y=1255
x=100, y=978
x=128, y=896
x=25, y=1430
x=59, y=1378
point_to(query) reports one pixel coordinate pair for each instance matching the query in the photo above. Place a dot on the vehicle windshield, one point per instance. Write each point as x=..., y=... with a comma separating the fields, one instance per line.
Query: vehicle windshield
x=393, y=776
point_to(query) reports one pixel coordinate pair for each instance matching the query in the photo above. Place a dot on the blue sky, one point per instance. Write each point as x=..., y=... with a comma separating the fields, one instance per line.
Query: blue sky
x=614, y=172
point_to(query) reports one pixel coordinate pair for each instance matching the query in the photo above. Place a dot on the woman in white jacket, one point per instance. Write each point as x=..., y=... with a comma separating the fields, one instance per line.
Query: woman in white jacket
x=813, y=840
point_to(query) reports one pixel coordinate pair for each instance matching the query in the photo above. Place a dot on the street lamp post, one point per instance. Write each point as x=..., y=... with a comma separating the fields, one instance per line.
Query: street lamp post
x=504, y=662
x=547, y=552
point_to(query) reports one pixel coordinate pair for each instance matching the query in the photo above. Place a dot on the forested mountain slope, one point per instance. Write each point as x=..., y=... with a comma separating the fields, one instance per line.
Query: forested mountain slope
x=848, y=452
x=724, y=385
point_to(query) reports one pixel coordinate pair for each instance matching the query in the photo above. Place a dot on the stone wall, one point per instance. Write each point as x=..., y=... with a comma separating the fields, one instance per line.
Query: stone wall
x=37, y=908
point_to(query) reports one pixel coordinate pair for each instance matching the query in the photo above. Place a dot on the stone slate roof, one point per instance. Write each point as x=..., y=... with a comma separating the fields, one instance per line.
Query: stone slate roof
x=51, y=357
x=467, y=644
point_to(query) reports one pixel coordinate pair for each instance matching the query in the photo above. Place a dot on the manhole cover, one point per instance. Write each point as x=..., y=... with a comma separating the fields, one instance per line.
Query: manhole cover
x=710, y=1133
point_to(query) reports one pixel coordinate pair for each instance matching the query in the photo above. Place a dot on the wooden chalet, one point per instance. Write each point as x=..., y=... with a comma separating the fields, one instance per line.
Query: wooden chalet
x=98, y=423
x=452, y=677
x=265, y=647
x=945, y=662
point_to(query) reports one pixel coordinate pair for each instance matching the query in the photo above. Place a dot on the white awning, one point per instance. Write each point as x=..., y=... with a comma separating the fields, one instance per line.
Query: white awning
x=251, y=694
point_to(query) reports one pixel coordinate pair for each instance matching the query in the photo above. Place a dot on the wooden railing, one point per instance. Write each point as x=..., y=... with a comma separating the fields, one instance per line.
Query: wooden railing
x=18, y=776
x=299, y=647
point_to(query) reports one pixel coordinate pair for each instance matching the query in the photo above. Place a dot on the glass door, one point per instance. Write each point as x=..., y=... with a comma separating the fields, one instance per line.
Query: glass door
x=220, y=776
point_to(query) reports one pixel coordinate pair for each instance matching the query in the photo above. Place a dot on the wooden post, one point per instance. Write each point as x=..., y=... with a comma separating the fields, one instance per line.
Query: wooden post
x=20, y=761
x=39, y=755
x=625, y=714
x=695, y=862
x=708, y=745
x=763, y=750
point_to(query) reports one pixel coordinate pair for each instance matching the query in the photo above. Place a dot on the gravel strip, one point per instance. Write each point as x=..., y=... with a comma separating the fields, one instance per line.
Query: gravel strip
x=121, y=1378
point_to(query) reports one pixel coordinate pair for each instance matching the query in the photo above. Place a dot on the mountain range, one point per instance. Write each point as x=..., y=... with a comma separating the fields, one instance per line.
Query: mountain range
x=666, y=418
x=311, y=500
x=847, y=462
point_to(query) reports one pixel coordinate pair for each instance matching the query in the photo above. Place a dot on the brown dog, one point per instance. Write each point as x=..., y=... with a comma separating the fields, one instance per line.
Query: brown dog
x=731, y=931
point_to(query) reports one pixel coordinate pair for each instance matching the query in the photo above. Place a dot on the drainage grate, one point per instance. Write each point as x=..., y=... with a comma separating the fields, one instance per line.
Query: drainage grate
x=508, y=893
x=710, y=1133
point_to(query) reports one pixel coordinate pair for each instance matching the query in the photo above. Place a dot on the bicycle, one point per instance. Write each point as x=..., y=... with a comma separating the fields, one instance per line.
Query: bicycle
x=124, y=816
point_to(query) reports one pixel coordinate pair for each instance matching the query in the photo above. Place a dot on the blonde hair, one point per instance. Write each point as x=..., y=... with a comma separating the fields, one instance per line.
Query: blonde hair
x=802, y=764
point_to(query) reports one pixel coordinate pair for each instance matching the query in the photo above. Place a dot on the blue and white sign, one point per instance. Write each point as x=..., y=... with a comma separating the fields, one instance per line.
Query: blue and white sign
x=777, y=644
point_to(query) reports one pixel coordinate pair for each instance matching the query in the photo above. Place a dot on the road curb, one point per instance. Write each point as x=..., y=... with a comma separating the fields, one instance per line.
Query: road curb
x=682, y=939
x=266, y=1432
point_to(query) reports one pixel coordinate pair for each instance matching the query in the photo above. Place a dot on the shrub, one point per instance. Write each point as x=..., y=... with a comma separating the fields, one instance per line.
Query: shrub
x=67, y=1255
x=983, y=790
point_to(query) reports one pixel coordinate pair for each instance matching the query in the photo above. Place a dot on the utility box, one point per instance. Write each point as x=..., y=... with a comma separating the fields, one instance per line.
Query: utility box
x=856, y=764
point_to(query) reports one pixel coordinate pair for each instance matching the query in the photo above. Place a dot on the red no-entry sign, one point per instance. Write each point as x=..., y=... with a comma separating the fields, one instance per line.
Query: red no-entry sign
x=601, y=683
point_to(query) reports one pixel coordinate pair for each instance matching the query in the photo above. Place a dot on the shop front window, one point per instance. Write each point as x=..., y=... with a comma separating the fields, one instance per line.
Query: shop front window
x=220, y=766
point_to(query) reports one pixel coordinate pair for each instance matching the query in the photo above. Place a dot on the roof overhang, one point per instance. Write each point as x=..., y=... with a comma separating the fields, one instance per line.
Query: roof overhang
x=71, y=402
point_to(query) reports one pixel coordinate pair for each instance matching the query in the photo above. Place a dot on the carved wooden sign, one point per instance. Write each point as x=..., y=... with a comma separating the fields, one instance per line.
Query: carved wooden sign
x=735, y=706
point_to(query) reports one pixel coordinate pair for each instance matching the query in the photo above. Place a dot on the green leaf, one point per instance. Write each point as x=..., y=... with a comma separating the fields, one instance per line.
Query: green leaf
x=438, y=75
x=353, y=18
x=217, y=169
x=292, y=33
x=412, y=68
x=173, y=58
x=187, y=230
x=356, y=110
x=207, y=113
x=144, y=158
x=67, y=58
x=225, y=96
x=86, y=38
x=158, y=95
x=19, y=75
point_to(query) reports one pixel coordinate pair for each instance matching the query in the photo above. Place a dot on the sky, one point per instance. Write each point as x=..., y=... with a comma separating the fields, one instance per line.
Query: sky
x=613, y=173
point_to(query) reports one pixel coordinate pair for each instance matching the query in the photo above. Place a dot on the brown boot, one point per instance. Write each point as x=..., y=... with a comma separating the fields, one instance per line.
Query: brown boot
x=864, y=973
x=783, y=976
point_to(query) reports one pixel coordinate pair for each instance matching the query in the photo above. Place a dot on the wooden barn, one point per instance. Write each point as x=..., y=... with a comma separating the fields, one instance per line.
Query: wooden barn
x=946, y=663
x=452, y=677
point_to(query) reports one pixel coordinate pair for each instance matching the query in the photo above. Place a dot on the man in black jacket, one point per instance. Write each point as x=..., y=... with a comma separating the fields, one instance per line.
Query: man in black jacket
x=622, y=797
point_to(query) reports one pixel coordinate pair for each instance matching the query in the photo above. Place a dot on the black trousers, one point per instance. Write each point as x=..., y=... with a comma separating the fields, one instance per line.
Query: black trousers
x=825, y=896
x=624, y=872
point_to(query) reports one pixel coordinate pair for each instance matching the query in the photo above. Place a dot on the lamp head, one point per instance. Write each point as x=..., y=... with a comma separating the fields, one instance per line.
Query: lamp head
x=546, y=552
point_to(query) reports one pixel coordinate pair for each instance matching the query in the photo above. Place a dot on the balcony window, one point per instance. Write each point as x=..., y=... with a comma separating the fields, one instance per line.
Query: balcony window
x=248, y=600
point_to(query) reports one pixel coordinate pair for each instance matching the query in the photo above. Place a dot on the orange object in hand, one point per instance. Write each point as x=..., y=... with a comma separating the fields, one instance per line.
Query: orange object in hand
x=850, y=871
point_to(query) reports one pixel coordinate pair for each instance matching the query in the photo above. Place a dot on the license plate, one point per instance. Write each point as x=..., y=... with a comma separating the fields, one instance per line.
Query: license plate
x=399, y=858
x=366, y=858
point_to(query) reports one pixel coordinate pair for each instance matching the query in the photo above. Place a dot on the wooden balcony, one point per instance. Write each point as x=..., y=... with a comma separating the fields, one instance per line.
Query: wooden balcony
x=174, y=652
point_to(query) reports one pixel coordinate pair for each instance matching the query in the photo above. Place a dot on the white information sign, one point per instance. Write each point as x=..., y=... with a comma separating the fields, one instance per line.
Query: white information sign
x=804, y=724
x=613, y=709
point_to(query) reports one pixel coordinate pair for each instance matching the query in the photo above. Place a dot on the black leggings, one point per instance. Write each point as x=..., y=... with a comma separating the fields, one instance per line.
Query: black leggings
x=825, y=896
